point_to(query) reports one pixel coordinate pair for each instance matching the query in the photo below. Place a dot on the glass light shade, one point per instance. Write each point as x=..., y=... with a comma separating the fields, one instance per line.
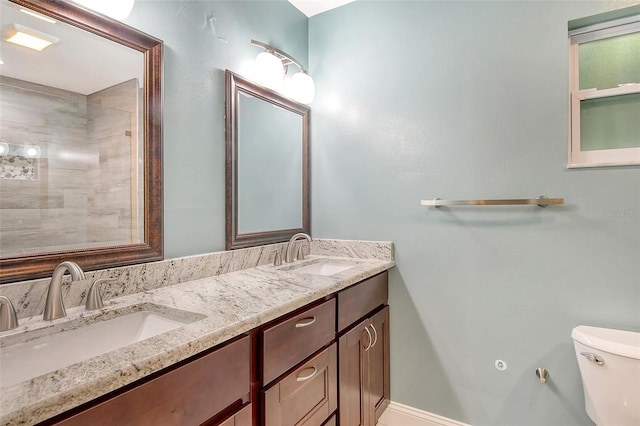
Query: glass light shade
x=31, y=151
x=117, y=9
x=302, y=88
x=270, y=71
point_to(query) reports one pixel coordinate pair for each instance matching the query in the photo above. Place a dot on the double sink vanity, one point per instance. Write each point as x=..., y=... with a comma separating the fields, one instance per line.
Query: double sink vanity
x=305, y=342
x=233, y=338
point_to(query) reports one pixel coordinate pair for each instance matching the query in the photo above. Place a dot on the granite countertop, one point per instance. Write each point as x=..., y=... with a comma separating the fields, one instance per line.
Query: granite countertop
x=222, y=307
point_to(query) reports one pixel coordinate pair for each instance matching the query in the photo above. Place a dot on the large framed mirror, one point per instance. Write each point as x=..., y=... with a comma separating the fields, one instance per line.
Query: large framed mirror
x=267, y=165
x=80, y=141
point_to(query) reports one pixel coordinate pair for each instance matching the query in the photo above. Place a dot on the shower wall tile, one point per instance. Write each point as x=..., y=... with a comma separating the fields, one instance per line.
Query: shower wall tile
x=82, y=181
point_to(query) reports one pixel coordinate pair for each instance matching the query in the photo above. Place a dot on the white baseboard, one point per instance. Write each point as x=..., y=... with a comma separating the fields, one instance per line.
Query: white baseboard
x=402, y=415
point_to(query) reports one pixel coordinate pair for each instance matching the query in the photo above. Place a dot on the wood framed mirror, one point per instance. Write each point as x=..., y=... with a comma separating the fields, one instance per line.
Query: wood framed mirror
x=93, y=192
x=267, y=165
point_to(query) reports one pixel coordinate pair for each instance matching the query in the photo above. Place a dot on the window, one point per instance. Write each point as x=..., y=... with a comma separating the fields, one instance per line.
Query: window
x=604, y=84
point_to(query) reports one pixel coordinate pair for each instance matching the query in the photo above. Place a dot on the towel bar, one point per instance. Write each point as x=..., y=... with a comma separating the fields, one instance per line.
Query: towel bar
x=541, y=201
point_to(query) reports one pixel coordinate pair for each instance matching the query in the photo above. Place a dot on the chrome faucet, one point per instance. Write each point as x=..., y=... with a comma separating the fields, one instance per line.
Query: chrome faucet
x=290, y=246
x=53, y=307
x=8, y=317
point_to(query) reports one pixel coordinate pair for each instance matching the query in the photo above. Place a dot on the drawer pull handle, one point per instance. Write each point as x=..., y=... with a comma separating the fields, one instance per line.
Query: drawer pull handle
x=370, y=339
x=375, y=335
x=308, y=376
x=305, y=322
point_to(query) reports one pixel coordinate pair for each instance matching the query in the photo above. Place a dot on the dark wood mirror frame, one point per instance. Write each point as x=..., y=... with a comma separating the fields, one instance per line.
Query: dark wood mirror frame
x=39, y=265
x=234, y=85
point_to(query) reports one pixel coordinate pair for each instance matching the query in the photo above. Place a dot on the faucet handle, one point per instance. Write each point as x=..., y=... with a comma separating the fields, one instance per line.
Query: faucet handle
x=300, y=255
x=277, y=258
x=94, y=300
x=8, y=317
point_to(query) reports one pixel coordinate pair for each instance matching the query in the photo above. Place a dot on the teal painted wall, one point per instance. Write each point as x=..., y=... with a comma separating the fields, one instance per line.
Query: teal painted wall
x=196, y=53
x=455, y=99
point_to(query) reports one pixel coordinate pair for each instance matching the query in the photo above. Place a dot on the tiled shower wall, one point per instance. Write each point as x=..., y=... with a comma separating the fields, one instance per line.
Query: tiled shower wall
x=80, y=189
x=116, y=210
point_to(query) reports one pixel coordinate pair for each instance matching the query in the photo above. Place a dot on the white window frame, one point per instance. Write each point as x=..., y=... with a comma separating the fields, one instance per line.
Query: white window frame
x=603, y=157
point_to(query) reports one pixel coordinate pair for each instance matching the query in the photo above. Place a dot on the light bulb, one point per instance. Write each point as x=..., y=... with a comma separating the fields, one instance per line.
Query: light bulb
x=117, y=9
x=270, y=71
x=302, y=88
x=31, y=151
x=4, y=148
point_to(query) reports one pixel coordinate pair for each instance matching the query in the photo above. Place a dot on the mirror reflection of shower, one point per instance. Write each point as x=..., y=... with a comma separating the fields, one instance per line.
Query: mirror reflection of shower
x=69, y=168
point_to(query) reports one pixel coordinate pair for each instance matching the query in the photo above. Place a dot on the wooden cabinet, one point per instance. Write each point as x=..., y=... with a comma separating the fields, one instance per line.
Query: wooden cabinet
x=305, y=397
x=194, y=393
x=364, y=359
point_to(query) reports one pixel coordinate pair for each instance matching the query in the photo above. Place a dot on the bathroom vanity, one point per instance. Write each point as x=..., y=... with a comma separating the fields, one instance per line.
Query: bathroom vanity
x=290, y=348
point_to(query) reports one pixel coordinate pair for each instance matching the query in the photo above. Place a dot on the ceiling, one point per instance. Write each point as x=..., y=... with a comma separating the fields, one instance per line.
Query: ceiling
x=313, y=7
x=108, y=63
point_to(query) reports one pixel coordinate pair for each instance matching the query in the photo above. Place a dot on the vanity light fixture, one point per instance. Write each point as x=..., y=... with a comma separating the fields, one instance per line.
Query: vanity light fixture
x=116, y=9
x=272, y=67
x=28, y=37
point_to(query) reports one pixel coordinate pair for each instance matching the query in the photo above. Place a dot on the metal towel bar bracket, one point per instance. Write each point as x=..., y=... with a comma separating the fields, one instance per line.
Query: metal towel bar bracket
x=541, y=201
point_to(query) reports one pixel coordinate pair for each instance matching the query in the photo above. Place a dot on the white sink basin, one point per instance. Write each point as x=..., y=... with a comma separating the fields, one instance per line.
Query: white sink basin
x=23, y=361
x=321, y=268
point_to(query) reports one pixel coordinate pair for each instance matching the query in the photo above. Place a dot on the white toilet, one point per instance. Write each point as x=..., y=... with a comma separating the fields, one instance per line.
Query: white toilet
x=609, y=363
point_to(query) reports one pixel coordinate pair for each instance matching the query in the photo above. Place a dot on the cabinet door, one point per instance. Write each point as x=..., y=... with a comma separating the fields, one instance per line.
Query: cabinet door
x=353, y=378
x=378, y=364
x=364, y=371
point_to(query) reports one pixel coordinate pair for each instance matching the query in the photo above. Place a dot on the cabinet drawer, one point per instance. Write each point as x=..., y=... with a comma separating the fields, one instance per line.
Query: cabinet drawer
x=189, y=395
x=305, y=397
x=359, y=300
x=289, y=342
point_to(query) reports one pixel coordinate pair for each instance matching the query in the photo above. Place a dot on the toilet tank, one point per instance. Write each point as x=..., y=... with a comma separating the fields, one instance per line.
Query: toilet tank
x=609, y=362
